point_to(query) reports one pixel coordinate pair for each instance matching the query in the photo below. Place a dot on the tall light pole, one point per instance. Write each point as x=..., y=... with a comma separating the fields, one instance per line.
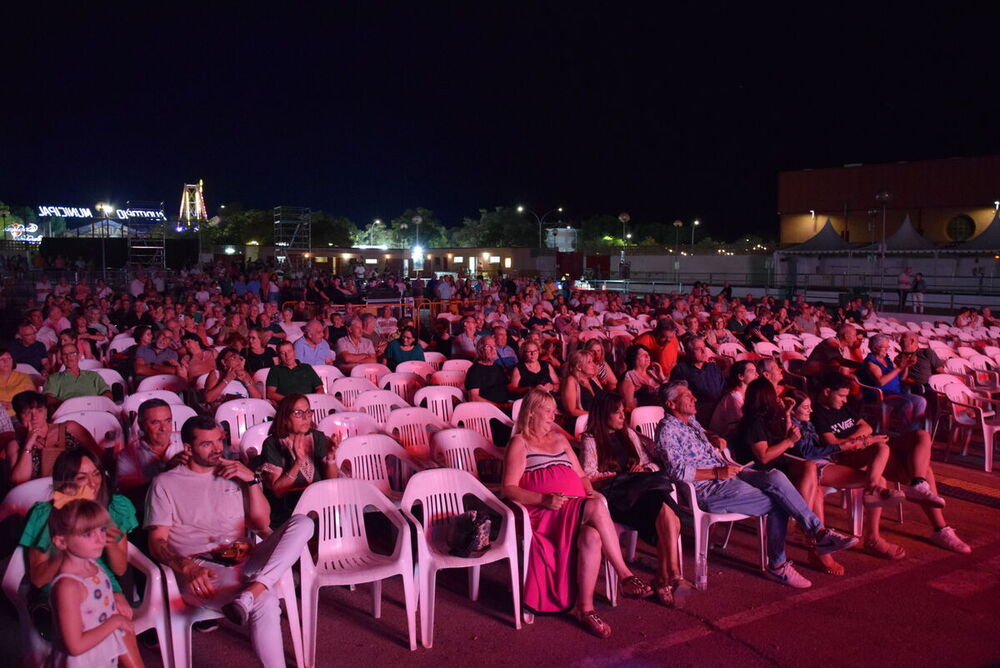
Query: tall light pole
x=541, y=219
x=693, y=225
x=882, y=198
x=371, y=231
x=677, y=251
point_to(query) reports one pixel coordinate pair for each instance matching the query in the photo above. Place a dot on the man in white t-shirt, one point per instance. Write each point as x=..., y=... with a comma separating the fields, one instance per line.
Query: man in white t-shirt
x=197, y=515
x=138, y=284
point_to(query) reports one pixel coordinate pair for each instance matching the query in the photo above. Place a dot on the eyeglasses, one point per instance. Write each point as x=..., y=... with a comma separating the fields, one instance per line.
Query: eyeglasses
x=308, y=412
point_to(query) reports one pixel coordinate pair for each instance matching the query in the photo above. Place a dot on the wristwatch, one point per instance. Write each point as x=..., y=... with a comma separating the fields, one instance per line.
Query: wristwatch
x=255, y=481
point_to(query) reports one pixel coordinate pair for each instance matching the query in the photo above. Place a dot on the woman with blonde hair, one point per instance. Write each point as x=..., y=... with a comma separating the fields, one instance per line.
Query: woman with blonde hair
x=570, y=522
x=580, y=384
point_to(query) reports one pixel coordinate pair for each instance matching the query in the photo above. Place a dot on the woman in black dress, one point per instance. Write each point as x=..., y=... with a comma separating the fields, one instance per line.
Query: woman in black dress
x=638, y=495
x=532, y=373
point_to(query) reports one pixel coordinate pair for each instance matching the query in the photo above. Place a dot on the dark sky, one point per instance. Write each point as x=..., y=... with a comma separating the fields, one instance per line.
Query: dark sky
x=364, y=110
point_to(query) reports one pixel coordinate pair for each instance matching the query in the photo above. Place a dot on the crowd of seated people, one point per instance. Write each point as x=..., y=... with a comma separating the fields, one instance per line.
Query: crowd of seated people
x=765, y=441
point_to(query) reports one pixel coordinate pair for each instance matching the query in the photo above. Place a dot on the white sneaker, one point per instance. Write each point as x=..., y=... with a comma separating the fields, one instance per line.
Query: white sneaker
x=949, y=540
x=787, y=575
x=921, y=493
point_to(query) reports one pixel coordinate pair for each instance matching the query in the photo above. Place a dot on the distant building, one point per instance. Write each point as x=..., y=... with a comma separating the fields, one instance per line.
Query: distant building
x=949, y=201
x=563, y=239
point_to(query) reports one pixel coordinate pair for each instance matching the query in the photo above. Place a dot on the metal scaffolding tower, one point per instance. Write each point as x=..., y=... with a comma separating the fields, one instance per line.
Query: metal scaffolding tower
x=147, y=242
x=292, y=233
x=192, y=211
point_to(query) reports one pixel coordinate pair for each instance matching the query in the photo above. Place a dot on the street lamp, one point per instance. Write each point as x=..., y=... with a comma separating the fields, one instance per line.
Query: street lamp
x=694, y=225
x=371, y=231
x=677, y=249
x=882, y=197
x=541, y=219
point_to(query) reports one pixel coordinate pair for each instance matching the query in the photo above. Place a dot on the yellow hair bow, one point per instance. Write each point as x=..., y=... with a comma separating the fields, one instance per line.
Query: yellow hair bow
x=60, y=499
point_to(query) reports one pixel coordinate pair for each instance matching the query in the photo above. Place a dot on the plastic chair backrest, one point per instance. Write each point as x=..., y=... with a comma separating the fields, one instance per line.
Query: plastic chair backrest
x=441, y=400
x=105, y=428
x=373, y=372
x=132, y=402
x=347, y=390
x=412, y=428
x=121, y=344
x=260, y=377
x=164, y=382
x=114, y=380
x=581, y=424
x=339, y=505
x=339, y=426
x=323, y=404
x=450, y=378
x=378, y=404
x=957, y=365
x=403, y=384
x=477, y=415
x=251, y=444
x=645, y=418
x=422, y=369
x=456, y=449
x=441, y=492
x=939, y=381
x=239, y=414
x=90, y=365
x=328, y=374
x=21, y=498
x=368, y=457
x=435, y=359
x=515, y=409
x=457, y=365
x=95, y=403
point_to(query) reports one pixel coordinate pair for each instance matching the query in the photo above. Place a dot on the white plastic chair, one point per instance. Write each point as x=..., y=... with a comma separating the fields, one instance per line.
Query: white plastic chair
x=449, y=378
x=130, y=407
x=422, y=369
x=379, y=460
x=969, y=415
x=324, y=404
x=581, y=425
x=441, y=494
x=94, y=403
x=457, y=365
x=120, y=344
x=260, y=378
x=252, y=441
x=182, y=616
x=239, y=414
x=114, y=380
x=373, y=372
x=36, y=378
x=435, y=359
x=328, y=374
x=165, y=382
x=339, y=426
x=644, y=420
x=347, y=390
x=412, y=428
x=105, y=428
x=703, y=522
x=343, y=556
x=456, y=449
x=21, y=498
x=766, y=348
x=439, y=399
x=477, y=415
x=403, y=384
x=378, y=404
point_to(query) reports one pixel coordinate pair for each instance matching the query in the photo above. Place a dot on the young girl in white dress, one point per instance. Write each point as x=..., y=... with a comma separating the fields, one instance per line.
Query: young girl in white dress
x=91, y=629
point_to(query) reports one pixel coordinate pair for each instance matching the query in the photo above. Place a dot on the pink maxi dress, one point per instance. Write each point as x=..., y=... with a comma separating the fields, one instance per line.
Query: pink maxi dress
x=550, y=583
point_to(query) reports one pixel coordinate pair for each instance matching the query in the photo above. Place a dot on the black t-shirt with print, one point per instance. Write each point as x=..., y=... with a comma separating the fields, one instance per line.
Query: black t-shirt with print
x=840, y=422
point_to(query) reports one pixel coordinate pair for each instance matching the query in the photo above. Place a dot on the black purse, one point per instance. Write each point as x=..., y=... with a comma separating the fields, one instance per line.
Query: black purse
x=469, y=535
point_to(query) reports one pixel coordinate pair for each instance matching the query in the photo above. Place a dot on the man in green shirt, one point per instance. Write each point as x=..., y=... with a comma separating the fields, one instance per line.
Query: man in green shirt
x=73, y=382
x=290, y=377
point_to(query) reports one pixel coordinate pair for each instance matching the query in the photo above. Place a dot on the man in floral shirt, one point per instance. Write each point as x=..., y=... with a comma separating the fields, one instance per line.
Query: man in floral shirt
x=688, y=454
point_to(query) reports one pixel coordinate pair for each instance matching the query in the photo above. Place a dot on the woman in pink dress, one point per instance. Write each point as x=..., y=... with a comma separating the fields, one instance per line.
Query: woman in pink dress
x=570, y=522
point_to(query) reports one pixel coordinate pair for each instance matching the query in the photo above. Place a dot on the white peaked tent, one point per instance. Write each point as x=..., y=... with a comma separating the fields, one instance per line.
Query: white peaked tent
x=826, y=241
x=987, y=241
x=905, y=239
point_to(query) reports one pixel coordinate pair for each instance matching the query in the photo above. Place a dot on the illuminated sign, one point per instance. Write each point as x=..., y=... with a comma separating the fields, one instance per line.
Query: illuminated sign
x=22, y=232
x=86, y=212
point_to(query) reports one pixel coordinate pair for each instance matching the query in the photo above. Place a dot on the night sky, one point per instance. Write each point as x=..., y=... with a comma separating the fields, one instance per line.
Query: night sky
x=365, y=110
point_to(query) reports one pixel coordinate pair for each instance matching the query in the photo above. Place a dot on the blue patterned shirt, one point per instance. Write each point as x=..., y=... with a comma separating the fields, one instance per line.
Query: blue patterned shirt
x=681, y=449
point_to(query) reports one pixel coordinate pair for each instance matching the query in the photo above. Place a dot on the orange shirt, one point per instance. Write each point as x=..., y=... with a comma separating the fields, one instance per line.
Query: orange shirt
x=666, y=355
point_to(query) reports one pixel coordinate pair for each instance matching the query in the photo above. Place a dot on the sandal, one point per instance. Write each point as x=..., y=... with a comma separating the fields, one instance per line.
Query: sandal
x=884, y=549
x=824, y=563
x=665, y=591
x=593, y=623
x=634, y=587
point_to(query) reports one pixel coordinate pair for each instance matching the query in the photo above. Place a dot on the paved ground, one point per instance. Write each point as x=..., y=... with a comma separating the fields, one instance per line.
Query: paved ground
x=934, y=608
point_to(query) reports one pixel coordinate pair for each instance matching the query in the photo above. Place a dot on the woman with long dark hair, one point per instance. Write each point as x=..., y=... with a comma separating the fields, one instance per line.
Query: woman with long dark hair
x=642, y=378
x=729, y=411
x=638, y=495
